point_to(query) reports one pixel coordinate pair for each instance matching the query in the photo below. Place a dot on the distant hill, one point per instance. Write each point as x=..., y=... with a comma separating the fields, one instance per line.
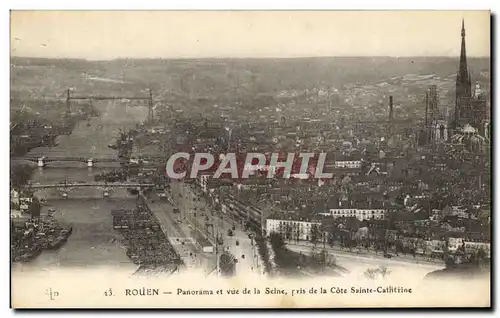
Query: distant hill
x=215, y=78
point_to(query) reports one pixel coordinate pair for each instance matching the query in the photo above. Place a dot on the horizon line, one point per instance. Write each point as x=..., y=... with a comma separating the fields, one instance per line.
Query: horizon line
x=247, y=58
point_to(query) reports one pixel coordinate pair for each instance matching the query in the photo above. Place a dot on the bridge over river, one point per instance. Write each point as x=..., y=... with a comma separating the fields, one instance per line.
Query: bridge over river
x=90, y=161
x=63, y=185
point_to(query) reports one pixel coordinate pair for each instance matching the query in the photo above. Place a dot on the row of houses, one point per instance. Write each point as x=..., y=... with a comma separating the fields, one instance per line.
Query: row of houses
x=360, y=214
x=308, y=227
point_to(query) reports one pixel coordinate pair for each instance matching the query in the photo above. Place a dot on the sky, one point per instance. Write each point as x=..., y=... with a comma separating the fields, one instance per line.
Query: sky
x=103, y=35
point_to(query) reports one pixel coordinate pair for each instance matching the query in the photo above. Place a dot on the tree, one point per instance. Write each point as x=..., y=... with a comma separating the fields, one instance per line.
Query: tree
x=384, y=272
x=481, y=256
x=276, y=241
x=321, y=259
x=347, y=185
x=20, y=175
x=449, y=261
x=314, y=253
x=376, y=273
x=288, y=231
x=323, y=235
x=263, y=252
x=315, y=234
x=326, y=260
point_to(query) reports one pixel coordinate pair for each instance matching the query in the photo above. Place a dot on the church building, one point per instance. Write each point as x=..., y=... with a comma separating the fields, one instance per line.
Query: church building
x=470, y=104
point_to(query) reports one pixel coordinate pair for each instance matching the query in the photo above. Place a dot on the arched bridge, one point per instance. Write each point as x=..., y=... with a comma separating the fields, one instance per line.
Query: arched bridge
x=42, y=161
x=65, y=187
x=93, y=184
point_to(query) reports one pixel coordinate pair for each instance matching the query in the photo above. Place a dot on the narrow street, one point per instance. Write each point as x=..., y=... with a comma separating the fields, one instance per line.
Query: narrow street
x=196, y=211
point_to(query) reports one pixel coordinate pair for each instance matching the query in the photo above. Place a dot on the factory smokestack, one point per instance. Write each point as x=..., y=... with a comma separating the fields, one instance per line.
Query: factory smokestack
x=391, y=115
x=391, y=110
x=426, y=107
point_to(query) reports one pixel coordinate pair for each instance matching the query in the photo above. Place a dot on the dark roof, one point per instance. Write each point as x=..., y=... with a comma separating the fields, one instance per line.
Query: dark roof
x=300, y=216
x=211, y=133
x=354, y=204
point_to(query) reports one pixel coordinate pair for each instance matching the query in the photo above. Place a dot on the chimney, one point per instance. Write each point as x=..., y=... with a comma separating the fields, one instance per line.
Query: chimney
x=390, y=108
x=426, y=107
x=391, y=115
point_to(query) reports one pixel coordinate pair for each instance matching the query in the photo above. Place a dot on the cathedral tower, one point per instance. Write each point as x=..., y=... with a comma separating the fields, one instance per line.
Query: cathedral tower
x=463, y=111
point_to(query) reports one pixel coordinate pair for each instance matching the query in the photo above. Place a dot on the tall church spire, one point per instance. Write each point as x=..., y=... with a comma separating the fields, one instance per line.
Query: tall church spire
x=463, y=75
x=463, y=87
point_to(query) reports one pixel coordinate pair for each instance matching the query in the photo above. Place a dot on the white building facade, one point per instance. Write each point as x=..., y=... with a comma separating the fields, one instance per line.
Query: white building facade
x=360, y=214
x=351, y=164
x=293, y=229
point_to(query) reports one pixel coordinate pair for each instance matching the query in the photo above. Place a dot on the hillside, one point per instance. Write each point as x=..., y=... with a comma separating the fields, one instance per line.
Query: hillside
x=43, y=81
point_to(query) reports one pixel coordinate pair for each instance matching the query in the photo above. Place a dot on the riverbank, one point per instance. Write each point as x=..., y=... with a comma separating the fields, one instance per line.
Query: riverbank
x=29, y=131
x=29, y=241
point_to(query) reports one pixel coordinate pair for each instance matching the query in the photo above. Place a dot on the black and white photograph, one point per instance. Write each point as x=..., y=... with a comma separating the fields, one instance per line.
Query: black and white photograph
x=250, y=159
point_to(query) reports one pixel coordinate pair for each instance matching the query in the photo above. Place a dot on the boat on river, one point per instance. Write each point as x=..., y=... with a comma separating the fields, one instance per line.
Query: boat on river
x=57, y=242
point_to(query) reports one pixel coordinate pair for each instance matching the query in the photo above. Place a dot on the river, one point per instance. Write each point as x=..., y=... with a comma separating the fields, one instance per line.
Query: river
x=93, y=241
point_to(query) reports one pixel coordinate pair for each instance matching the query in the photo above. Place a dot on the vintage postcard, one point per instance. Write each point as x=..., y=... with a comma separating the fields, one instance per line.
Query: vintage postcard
x=250, y=159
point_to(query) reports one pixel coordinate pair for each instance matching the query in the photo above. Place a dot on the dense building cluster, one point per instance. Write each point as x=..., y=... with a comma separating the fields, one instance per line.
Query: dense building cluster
x=415, y=182
x=32, y=233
